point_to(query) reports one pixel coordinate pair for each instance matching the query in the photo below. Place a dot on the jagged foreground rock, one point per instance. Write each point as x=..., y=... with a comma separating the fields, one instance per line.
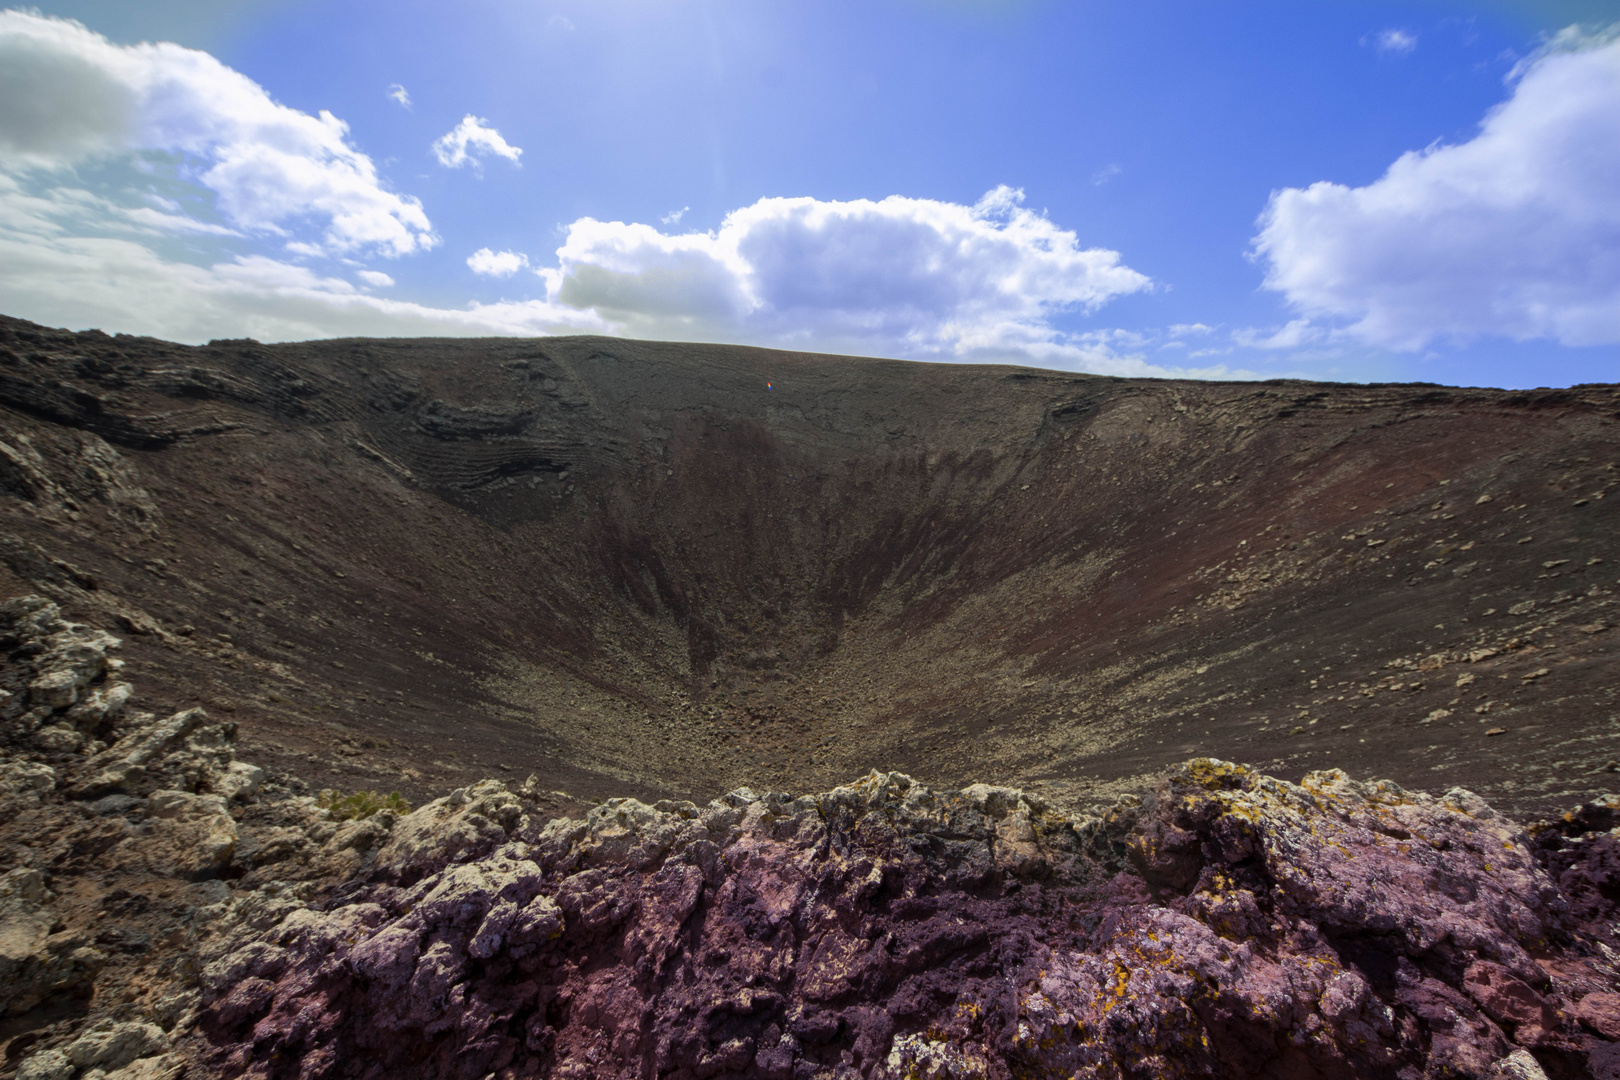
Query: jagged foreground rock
x=1224, y=923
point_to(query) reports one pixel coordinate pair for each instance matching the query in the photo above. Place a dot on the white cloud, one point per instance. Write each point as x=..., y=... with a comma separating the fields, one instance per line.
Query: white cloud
x=1395, y=42
x=901, y=276
x=560, y=22
x=1515, y=233
x=85, y=209
x=468, y=141
x=898, y=277
x=1294, y=334
x=52, y=272
x=400, y=94
x=1105, y=174
x=160, y=220
x=674, y=216
x=913, y=277
x=72, y=95
x=497, y=263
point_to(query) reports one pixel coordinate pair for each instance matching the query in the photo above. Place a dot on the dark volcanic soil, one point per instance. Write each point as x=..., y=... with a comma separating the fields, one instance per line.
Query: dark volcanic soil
x=637, y=568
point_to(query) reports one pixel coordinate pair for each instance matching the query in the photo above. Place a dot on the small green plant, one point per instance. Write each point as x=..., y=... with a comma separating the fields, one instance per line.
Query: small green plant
x=361, y=804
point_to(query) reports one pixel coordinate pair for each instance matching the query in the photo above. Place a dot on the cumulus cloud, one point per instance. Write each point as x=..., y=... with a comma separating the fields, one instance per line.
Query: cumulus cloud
x=1514, y=233
x=139, y=186
x=400, y=94
x=902, y=277
x=917, y=277
x=497, y=263
x=54, y=270
x=469, y=141
x=71, y=95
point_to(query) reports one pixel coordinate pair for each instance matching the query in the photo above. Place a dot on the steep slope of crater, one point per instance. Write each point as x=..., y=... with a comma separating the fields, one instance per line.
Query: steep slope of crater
x=667, y=570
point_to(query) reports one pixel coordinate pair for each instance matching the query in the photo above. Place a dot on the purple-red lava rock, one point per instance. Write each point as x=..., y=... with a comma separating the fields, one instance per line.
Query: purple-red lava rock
x=210, y=921
x=1224, y=924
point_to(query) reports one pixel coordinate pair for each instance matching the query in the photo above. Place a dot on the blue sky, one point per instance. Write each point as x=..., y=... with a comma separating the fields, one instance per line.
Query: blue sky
x=1345, y=190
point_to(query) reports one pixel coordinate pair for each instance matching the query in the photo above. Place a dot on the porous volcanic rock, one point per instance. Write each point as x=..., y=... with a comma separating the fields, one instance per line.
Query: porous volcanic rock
x=1226, y=923
x=164, y=919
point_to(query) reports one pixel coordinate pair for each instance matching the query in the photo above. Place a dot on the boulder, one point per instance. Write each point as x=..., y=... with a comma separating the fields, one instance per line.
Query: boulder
x=113, y=1045
x=100, y=706
x=28, y=618
x=465, y=824
x=46, y=1065
x=1519, y=1065
x=59, y=739
x=25, y=780
x=127, y=760
x=191, y=836
x=74, y=657
x=34, y=962
x=161, y=1067
x=239, y=780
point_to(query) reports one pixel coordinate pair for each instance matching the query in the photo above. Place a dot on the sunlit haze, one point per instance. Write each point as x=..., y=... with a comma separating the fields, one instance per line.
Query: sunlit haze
x=1337, y=190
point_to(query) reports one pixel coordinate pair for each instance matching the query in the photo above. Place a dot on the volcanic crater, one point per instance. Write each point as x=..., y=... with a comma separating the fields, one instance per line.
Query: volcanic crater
x=775, y=716
x=667, y=569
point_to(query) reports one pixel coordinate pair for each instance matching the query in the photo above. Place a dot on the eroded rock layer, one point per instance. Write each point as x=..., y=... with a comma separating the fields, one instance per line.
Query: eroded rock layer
x=169, y=910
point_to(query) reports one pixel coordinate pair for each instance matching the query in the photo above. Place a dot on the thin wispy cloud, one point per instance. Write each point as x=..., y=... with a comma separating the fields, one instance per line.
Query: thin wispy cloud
x=674, y=216
x=1294, y=334
x=470, y=141
x=1395, y=42
x=63, y=264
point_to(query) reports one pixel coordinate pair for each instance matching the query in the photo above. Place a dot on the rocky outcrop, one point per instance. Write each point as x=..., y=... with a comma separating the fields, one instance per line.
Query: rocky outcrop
x=1221, y=923
x=109, y=1051
x=35, y=963
x=115, y=828
x=70, y=707
x=1225, y=924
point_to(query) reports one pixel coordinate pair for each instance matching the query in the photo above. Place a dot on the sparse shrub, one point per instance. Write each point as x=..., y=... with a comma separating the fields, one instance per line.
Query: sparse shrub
x=360, y=804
